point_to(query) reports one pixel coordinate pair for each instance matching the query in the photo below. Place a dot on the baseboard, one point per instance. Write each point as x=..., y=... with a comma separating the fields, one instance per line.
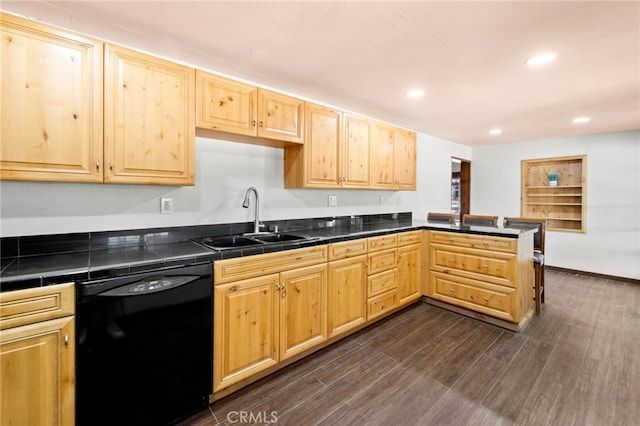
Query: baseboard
x=593, y=274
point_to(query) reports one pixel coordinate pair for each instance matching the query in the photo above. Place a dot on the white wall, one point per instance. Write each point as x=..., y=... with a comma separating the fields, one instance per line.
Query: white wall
x=611, y=244
x=224, y=170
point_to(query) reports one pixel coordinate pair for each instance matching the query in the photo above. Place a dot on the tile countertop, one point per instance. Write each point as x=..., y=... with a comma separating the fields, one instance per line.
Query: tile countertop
x=144, y=251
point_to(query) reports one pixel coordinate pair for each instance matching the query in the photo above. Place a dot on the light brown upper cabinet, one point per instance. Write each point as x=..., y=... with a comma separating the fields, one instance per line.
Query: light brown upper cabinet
x=394, y=158
x=149, y=119
x=67, y=114
x=336, y=152
x=356, y=152
x=231, y=106
x=315, y=164
x=50, y=103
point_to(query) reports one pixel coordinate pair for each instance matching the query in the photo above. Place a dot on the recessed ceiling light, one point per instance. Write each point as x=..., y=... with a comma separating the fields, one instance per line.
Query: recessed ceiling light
x=580, y=120
x=494, y=132
x=415, y=93
x=541, y=59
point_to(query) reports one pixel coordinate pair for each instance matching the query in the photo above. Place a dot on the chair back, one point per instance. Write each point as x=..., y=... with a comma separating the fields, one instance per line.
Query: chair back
x=479, y=220
x=527, y=223
x=441, y=217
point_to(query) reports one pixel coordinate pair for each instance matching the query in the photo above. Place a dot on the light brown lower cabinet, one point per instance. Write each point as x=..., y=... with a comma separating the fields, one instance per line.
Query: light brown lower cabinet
x=37, y=371
x=262, y=321
x=272, y=307
x=485, y=274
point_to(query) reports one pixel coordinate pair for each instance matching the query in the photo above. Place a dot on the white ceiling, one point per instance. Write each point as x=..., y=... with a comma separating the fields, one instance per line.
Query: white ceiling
x=363, y=56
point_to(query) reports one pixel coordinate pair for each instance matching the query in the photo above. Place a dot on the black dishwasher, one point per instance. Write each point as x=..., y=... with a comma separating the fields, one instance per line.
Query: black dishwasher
x=144, y=347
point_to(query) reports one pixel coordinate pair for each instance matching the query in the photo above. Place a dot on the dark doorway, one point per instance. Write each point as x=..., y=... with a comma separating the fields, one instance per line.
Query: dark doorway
x=460, y=186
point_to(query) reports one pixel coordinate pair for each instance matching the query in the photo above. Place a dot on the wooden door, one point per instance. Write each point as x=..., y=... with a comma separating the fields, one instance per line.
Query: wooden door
x=280, y=116
x=245, y=329
x=347, y=298
x=50, y=104
x=37, y=374
x=303, y=314
x=225, y=105
x=408, y=278
x=149, y=119
x=384, y=175
x=356, y=153
x=405, y=155
x=322, y=147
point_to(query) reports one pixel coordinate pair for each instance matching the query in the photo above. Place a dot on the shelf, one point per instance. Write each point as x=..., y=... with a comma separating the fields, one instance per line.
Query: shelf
x=561, y=205
x=556, y=195
x=554, y=204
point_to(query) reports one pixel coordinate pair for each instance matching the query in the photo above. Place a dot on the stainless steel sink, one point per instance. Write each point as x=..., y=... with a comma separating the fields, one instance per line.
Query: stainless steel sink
x=249, y=239
x=276, y=237
x=227, y=242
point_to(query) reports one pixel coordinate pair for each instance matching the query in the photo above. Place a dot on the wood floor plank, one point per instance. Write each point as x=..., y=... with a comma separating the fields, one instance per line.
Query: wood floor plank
x=417, y=339
x=511, y=391
x=449, y=369
x=506, y=346
x=476, y=382
x=355, y=378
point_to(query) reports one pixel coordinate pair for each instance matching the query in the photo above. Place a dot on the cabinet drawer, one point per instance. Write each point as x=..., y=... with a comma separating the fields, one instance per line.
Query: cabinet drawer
x=229, y=270
x=490, y=299
x=509, y=245
x=499, y=268
x=382, y=261
x=407, y=238
x=379, y=283
x=347, y=249
x=381, y=304
x=33, y=305
x=382, y=242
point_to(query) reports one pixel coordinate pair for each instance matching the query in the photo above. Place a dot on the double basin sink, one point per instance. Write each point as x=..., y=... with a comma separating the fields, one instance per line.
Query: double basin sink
x=246, y=240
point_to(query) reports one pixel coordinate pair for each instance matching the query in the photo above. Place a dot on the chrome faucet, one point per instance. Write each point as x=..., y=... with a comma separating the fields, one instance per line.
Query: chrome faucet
x=256, y=224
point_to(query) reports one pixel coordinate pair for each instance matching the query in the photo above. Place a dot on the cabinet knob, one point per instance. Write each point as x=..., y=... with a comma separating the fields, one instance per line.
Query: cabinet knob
x=97, y=166
x=66, y=340
x=261, y=124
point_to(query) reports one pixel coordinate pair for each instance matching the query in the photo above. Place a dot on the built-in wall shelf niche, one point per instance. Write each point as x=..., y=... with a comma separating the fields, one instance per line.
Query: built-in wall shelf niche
x=562, y=204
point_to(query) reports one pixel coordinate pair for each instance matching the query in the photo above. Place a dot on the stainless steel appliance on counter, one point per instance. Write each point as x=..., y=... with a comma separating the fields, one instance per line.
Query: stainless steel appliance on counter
x=144, y=347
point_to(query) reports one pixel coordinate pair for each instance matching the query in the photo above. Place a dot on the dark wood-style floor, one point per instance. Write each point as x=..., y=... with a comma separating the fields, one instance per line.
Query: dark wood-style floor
x=576, y=364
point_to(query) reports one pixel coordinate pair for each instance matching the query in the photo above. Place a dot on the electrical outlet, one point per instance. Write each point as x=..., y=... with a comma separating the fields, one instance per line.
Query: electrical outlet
x=333, y=200
x=166, y=205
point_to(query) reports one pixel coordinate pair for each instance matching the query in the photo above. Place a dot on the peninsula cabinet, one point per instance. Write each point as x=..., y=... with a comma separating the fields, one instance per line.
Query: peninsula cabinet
x=50, y=103
x=37, y=356
x=149, y=135
x=394, y=158
x=268, y=318
x=489, y=275
x=231, y=106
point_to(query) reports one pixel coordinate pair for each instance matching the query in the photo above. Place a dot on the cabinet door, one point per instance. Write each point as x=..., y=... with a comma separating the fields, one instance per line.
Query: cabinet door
x=356, y=154
x=245, y=329
x=405, y=153
x=303, y=312
x=149, y=119
x=408, y=278
x=225, y=105
x=322, y=147
x=347, y=301
x=37, y=374
x=50, y=104
x=280, y=117
x=384, y=174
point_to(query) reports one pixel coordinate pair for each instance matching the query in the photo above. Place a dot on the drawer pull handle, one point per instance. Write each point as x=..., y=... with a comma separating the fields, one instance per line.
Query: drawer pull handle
x=486, y=299
x=66, y=340
x=452, y=261
x=485, y=267
x=348, y=250
x=451, y=290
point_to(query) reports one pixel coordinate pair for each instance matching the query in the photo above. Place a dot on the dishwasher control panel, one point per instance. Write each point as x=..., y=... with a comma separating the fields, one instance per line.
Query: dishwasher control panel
x=148, y=285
